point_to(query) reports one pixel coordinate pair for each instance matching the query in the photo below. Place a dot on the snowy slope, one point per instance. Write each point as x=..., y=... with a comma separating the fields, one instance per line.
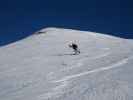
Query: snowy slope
x=41, y=67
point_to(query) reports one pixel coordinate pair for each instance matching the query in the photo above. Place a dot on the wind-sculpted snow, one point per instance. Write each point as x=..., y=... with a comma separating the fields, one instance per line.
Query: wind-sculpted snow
x=43, y=67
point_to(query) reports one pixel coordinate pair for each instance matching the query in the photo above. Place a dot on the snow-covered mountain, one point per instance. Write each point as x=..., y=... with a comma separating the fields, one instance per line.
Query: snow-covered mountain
x=42, y=67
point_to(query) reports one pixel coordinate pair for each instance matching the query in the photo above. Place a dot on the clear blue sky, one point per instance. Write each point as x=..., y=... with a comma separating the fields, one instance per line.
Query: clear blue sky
x=20, y=18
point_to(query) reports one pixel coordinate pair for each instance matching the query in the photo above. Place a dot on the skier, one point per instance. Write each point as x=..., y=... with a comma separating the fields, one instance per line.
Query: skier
x=75, y=48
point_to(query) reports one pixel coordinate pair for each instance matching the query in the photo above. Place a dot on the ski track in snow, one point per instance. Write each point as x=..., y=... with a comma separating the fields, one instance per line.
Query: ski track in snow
x=65, y=82
x=80, y=62
x=100, y=56
x=73, y=66
x=118, y=64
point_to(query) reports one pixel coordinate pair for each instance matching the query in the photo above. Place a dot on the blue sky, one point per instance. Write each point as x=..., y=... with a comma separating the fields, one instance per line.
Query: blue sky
x=20, y=18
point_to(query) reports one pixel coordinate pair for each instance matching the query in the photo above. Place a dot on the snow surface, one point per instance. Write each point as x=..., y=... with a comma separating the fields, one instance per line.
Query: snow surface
x=42, y=67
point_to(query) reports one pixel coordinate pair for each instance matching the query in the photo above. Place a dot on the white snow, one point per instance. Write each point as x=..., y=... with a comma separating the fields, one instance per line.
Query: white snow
x=42, y=67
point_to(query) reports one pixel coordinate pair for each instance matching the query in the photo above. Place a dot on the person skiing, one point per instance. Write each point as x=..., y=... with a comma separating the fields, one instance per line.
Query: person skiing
x=74, y=46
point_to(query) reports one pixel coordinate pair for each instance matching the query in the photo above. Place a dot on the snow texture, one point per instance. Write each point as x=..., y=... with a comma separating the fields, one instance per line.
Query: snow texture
x=42, y=67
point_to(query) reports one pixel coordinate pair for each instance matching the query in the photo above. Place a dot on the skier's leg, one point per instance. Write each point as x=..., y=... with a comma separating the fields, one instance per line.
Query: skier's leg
x=76, y=52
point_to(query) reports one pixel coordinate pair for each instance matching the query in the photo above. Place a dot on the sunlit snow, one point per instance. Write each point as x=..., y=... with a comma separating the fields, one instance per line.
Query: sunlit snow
x=42, y=67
